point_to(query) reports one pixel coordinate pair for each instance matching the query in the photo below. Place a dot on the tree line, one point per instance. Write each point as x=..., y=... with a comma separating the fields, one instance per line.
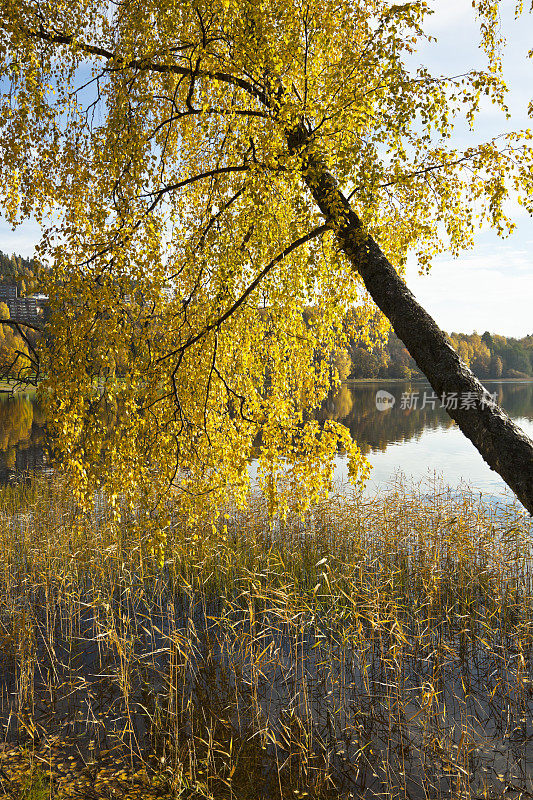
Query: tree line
x=15, y=269
x=16, y=341
x=488, y=356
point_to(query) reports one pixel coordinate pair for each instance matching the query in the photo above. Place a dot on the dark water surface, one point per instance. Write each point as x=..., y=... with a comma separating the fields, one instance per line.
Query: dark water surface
x=22, y=435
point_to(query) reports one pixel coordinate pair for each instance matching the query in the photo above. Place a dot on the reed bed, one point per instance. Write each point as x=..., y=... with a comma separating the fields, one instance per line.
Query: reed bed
x=378, y=648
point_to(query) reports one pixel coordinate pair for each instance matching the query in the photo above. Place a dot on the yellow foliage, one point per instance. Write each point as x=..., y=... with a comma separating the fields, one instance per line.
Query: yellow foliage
x=343, y=363
x=157, y=141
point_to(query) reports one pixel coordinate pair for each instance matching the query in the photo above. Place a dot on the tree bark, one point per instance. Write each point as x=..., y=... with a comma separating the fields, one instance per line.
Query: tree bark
x=503, y=445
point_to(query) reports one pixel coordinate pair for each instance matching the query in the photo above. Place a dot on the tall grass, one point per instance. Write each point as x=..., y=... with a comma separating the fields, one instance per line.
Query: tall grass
x=376, y=649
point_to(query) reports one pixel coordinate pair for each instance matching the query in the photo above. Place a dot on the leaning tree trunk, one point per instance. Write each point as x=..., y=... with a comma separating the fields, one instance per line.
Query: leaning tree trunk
x=503, y=445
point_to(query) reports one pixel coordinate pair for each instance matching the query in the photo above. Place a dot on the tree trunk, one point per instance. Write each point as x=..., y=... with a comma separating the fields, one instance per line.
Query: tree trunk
x=503, y=445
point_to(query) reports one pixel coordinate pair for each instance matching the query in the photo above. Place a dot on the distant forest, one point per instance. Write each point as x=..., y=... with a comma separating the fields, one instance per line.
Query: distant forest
x=488, y=356
x=19, y=270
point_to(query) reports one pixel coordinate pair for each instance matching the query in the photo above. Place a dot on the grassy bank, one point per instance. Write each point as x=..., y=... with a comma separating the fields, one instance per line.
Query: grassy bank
x=376, y=649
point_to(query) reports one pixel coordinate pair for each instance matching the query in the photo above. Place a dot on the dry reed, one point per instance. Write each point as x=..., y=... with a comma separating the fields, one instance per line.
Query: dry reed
x=377, y=649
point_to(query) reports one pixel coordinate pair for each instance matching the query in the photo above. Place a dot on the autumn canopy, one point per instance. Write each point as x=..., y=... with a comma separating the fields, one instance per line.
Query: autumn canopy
x=205, y=171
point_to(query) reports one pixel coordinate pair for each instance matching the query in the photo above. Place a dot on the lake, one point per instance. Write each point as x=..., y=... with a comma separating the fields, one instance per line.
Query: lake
x=414, y=437
x=417, y=439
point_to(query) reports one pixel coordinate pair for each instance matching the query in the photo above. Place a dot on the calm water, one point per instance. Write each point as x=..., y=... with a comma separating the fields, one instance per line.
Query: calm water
x=416, y=442
x=22, y=436
x=422, y=442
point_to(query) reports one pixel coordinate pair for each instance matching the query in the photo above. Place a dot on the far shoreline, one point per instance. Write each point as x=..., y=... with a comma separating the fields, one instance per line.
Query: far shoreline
x=355, y=381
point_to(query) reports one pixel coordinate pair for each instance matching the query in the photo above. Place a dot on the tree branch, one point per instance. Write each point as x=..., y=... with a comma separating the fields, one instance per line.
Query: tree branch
x=255, y=283
x=211, y=173
x=146, y=63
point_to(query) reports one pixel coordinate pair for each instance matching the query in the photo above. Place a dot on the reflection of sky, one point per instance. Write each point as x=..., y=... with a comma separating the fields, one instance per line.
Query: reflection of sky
x=448, y=453
x=441, y=454
x=439, y=451
x=434, y=455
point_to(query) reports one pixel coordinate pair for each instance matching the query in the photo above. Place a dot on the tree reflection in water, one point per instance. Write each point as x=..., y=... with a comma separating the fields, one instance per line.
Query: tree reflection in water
x=23, y=427
x=355, y=406
x=22, y=435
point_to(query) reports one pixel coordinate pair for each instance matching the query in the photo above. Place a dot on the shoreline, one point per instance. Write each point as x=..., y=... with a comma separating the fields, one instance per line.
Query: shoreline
x=356, y=381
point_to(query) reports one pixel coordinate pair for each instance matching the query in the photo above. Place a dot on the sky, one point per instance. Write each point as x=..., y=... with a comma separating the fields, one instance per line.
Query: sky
x=491, y=286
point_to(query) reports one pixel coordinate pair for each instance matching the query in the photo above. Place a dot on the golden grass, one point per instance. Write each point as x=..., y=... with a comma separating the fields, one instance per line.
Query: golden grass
x=378, y=648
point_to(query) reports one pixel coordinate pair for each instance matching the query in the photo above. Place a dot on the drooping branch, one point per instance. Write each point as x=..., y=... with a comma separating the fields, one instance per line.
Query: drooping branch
x=20, y=356
x=501, y=443
x=215, y=325
x=117, y=62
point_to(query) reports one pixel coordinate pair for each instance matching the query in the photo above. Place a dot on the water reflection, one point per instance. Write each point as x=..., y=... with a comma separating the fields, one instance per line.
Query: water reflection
x=375, y=430
x=421, y=443
x=22, y=435
x=412, y=440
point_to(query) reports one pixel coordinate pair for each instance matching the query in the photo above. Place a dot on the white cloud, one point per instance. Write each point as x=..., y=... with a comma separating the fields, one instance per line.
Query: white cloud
x=448, y=14
x=491, y=287
x=487, y=290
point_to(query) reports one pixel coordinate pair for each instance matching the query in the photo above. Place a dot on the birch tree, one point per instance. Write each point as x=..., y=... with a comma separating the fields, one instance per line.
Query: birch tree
x=204, y=170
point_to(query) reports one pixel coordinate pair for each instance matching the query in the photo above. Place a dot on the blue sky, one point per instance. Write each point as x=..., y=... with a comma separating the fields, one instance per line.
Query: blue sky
x=491, y=286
